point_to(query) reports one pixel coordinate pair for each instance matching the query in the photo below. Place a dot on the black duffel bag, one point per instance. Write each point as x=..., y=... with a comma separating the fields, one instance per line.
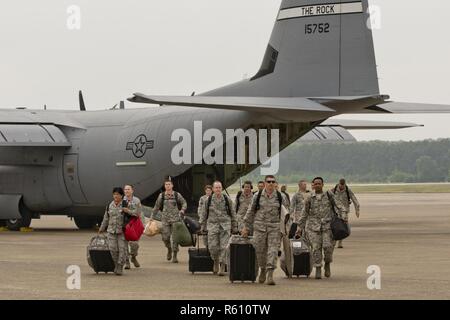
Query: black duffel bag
x=192, y=225
x=339, y=227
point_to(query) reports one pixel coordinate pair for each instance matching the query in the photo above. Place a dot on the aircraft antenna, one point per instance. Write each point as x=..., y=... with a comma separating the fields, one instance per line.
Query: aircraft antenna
x=81, y=100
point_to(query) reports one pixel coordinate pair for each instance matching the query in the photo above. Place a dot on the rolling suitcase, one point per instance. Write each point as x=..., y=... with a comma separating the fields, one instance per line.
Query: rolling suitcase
x=98, y=255
x=301, y=258
x=242, y=259
x=200, y=260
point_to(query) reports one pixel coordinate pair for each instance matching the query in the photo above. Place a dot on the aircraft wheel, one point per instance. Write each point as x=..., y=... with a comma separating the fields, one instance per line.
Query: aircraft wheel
x=85, y=223
x=24, y=222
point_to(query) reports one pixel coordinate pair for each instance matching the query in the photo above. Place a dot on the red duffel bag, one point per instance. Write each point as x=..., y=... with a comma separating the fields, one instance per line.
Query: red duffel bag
x=134, y=229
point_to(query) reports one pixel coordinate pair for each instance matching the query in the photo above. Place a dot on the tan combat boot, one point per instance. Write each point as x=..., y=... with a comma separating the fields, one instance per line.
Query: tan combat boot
x=119, y=270
x=216, y=266
x=327, y=270
x=262, y=275
x=127, y=265
x=134, y=261
x=174, y=257
x=270, y=281
x=340, y=246
x=222, y=270
x=169, y=254
x=318, y=273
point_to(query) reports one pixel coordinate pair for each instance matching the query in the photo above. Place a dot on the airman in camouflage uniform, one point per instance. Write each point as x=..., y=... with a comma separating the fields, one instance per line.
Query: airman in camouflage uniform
x=243, y=200
x=345, y=196
x=201, y=210
x=283, y=190
x=266, y=220
x=220, y=223
x=298, y=200
x=134, y=209
x=316, y=218
x=113, y=224
x=261, y=185
x=174, y=209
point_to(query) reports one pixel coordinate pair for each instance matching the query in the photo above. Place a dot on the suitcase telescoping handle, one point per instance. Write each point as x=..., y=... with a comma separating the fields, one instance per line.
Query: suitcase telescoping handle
x=204, y=233
x=304, y=237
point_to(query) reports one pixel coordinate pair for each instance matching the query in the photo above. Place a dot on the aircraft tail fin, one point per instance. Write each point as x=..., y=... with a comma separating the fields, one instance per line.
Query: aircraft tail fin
x=317, y=48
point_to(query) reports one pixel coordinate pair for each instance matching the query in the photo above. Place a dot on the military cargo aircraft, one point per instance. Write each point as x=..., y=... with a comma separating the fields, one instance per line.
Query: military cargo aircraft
x=319, y=63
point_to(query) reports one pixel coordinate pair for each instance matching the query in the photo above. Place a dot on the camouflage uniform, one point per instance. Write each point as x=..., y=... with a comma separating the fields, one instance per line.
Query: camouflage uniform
x=266, y=228
x=201, y=212
x=220, y=226
x=288, y=199
x=169, y=216
x=135, y=207
x=113, y=224
x=244, y=203
x=342, y=198
x=297, y=204
x=316, y=217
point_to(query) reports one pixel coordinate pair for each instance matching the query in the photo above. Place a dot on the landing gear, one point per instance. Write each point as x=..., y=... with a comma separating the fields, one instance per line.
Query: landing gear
x=86, y=223
x=23, y=222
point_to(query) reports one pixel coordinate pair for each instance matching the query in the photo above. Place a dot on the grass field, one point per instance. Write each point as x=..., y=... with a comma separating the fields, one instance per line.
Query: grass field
x=380, y=188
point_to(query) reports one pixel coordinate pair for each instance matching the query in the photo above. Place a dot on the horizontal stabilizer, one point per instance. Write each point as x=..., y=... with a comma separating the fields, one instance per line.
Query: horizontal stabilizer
x=366, y=124
x=251, y=104
x=404, y=107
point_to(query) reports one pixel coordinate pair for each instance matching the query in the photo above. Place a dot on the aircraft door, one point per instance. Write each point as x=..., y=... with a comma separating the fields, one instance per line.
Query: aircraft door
x=71, y=179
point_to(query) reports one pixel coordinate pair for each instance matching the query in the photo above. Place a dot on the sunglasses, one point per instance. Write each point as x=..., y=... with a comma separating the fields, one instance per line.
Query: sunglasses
x=271, y=181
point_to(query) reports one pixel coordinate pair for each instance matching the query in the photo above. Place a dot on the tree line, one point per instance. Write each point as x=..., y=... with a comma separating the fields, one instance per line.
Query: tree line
x=366, y=162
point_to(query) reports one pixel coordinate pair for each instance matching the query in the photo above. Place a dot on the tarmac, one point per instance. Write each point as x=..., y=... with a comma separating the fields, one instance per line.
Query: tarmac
x=406, y=235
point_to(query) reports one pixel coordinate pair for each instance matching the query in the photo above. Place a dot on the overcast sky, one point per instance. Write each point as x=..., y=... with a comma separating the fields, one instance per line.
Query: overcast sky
x=178, y=46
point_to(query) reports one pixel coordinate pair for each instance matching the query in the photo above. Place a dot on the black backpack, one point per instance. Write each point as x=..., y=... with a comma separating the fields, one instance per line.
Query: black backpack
x=163, y=194
x=208, y=205
x=258, y=199
x=339, y=227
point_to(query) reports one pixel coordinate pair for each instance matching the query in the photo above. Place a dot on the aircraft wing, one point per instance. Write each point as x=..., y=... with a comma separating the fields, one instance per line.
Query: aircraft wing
x=405, y=108
x=252, y=104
